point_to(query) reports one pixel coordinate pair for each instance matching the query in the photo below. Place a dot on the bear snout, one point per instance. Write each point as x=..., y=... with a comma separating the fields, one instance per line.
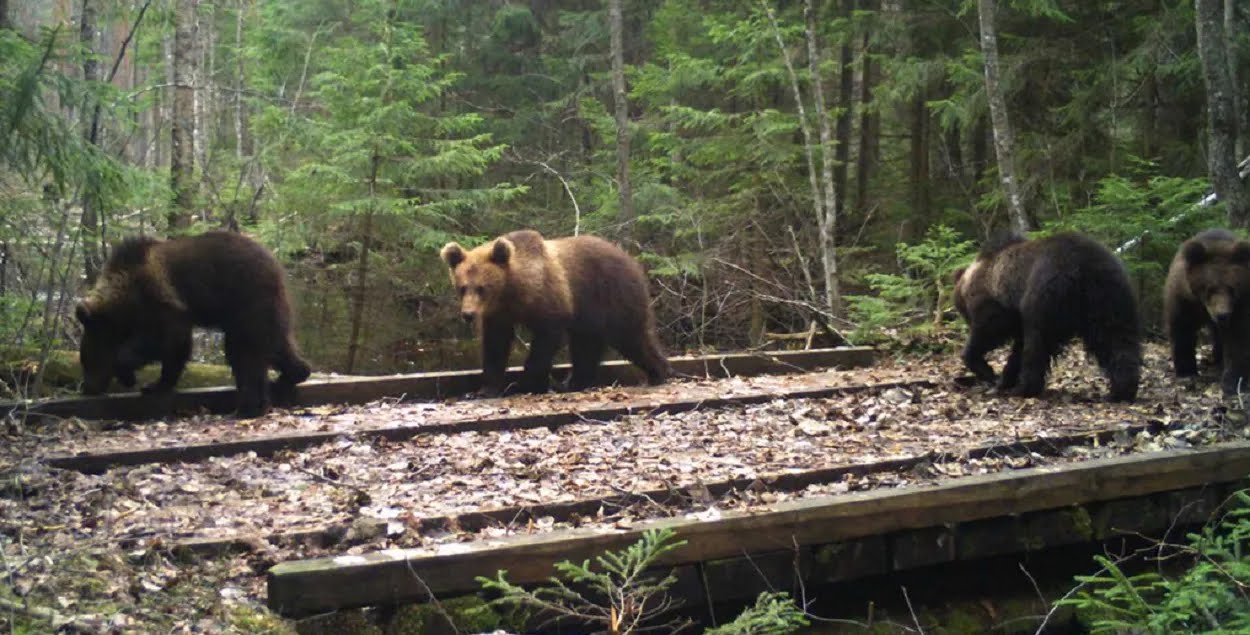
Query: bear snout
x=468, y=316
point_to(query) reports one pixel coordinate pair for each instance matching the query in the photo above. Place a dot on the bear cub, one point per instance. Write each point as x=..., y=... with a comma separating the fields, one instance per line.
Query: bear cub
x=583, y=288
x=1040, y=294
x=151, y=292
x=1208, y=285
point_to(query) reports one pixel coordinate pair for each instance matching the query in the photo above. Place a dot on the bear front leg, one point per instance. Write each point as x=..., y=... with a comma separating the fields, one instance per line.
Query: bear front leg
x=496, y=344
x=1011, y=371
x=175, y=341
x=979, y=343
x=1236, y=377
x=1217, y=347
x=537, y=375
x=1183, y=336
x=1034, y=362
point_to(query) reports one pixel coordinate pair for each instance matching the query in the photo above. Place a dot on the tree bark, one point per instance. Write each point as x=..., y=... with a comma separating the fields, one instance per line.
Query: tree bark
x=621, y=105
x=869, y=127
x=1239, y=97
x=362, y=269
x=182, y=129
x=1004, y=141
x=4, y=15
x=238, y=83
x=90, y=219
x=829, y=219
x=1221, y=118
x=846, y=87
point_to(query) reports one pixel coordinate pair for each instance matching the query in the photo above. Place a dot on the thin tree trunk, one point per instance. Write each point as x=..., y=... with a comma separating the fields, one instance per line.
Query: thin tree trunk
x=829, y=219
x=4, y=15
x=1221, y=119
x=846, y=87
x=182, y=130
x=1239, y=96
x=362, y=268
x=869, y=128
x=813, y=174
x=621, y=105
x=90, y=219
x=238, y=83
x=1004, y=141
x=919, y=155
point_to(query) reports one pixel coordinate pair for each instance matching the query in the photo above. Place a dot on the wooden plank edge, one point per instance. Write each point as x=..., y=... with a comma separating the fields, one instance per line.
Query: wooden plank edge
x=565, y=511
x=266, y=446
x=136, y=407
x=406, y=575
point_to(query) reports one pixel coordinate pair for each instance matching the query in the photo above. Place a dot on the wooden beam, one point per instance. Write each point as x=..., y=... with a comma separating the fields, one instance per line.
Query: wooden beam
x=407, y=575
x=135, y=407
x=96, y=463
x=565, y=511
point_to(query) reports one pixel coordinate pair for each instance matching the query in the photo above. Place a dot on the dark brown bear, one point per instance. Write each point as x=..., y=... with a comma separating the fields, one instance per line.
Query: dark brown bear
x=583, y=287
x=1038, y=295
x=1208, y=285
x=151, y=292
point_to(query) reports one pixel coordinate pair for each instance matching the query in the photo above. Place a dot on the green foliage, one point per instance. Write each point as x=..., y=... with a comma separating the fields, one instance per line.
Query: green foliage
x=1209, y=597
x=619, y=594
x=920, y=291
x=774, y=613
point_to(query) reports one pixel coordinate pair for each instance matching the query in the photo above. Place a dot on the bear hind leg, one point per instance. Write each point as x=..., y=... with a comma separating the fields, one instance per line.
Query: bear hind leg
x=1011, y=370
x=644, y=352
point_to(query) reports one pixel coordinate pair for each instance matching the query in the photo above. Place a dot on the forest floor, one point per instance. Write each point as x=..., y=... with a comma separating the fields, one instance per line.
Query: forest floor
x=98, y=551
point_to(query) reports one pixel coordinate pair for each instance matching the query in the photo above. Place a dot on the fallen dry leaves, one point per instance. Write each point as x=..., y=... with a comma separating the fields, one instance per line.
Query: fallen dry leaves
x=98, y=544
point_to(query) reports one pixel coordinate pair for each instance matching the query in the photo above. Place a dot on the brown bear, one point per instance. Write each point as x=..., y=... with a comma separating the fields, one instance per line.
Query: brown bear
x=151, y=292
x=1040, y=294
x=583, y=287
x=1208, y=285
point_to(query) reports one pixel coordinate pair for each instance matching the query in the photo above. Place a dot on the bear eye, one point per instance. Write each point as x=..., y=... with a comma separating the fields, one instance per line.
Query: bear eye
x=462, y=289
x=480, y=289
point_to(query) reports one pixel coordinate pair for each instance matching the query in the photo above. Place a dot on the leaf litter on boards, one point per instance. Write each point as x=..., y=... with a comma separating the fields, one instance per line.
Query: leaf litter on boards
x=58, y=527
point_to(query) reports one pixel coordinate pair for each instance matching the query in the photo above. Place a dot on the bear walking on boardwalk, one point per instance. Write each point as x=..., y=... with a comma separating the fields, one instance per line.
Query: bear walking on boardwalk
x=583, y=287
x=151, y=292
x=1208, y=285
x=1038, y=295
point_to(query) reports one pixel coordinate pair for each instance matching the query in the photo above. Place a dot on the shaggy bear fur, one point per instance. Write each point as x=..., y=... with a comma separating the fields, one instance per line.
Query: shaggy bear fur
x=151, y=292
x=583, y=287
x=1208, y=285
x=1040, y=294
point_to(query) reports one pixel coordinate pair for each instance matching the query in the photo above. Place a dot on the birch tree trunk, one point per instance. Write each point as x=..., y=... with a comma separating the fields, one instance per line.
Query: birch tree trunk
x=621, y=105
x=829, y=216
x=1004, y=141
x=1239, y=96
x=846, y=89
x=182, y=129
x=1221, y=119
x=238, y=83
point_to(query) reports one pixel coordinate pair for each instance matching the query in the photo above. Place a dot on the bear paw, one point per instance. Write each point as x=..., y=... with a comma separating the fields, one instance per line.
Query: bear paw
x=156, y=388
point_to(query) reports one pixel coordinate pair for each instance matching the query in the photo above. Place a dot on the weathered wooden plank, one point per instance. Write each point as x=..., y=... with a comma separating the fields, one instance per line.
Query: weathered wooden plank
x=135, y=407
x=394, y=576
x=266, y=446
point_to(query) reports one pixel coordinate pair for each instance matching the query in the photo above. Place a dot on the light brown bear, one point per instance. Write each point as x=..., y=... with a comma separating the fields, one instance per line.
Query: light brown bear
x=582, y=286
x=1208, y=285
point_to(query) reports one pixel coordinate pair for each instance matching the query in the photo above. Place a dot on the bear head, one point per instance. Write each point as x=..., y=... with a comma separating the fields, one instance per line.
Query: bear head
x=1218, y=274
x=479, y=275
x=964, y=279
x=99, y=348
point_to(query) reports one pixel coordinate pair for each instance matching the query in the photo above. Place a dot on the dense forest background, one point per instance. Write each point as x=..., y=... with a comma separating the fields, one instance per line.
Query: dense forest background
x=778, y=166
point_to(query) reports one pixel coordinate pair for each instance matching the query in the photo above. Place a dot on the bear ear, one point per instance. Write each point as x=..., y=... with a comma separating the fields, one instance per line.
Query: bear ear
x=1241, y=253
x=452, y=254
x=1194, y=252
x=501, y=252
